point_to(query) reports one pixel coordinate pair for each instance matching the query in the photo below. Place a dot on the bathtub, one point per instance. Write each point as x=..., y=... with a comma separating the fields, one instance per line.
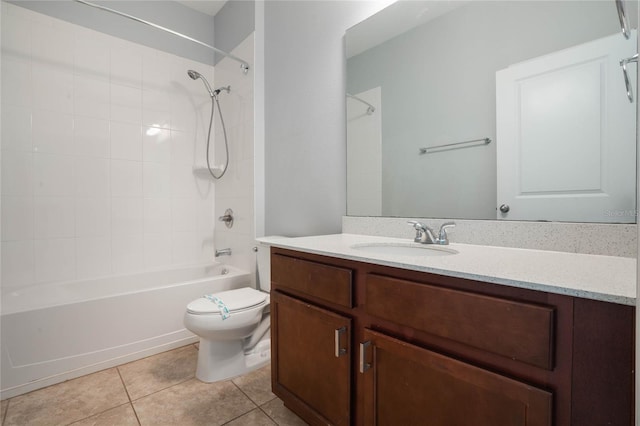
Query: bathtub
x=54, y=332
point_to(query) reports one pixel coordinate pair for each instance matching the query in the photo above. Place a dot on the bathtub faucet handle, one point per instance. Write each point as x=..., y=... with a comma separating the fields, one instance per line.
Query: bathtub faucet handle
x=227, y=218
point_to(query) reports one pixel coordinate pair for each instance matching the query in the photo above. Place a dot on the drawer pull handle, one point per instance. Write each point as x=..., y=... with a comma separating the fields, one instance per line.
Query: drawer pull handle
x=338, y=333
x=364, y=366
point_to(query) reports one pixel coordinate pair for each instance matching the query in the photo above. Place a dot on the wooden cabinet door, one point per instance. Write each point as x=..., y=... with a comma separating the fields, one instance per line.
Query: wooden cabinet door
x=311, y=360
x=408, y=385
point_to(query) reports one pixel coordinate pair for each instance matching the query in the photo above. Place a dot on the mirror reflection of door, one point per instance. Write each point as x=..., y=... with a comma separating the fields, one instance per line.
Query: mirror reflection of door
x=566, y=135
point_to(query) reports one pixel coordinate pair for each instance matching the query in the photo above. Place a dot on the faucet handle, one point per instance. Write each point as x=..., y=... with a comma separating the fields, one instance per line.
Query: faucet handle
x=442, y=235
x=420, y=230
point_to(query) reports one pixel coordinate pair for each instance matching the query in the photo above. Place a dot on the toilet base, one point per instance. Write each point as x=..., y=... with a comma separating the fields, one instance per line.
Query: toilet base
x=222, y=360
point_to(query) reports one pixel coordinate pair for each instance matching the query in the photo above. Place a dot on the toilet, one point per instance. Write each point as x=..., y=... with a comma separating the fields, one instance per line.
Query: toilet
x=233, y=327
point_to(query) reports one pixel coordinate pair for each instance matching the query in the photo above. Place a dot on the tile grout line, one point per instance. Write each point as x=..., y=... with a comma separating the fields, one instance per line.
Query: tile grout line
x=97, y=414
x=247, y=396
x=135, y=413
x=267, y=414
x=6, y=411
x=160, y=390
x=259, y=407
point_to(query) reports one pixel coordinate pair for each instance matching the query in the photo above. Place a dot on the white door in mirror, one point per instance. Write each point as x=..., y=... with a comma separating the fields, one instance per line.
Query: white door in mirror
x=566, y=135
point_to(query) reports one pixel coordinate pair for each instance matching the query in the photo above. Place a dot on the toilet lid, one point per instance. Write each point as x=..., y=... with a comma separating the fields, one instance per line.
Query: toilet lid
x=235, y=300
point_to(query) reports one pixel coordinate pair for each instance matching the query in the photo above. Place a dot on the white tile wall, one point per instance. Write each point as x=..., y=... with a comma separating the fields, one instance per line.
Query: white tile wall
x=235, y=190
x=99, y=139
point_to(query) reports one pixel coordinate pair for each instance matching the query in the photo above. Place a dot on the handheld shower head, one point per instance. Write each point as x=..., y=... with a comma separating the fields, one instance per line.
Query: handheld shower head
x=196, y=75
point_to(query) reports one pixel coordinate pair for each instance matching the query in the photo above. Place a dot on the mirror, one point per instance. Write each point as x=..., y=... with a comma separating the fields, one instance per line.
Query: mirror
x=422, y=74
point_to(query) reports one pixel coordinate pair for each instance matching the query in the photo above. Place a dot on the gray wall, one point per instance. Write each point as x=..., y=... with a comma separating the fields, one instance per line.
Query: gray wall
x=165, y=13
x=438, y=86
x=232, y=24
x=305, y=133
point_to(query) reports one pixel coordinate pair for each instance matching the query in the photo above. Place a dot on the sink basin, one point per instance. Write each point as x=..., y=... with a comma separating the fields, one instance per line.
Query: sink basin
x=404, y=249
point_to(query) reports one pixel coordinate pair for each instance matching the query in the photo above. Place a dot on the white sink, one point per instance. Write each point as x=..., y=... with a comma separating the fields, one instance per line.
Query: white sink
x=404, y=249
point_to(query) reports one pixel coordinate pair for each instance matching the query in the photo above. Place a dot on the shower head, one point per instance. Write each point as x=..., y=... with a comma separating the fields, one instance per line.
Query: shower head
x=196, y=75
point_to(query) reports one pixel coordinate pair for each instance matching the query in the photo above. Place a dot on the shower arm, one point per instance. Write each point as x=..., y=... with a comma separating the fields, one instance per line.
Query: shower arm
x=370, y=108
x=243, y=64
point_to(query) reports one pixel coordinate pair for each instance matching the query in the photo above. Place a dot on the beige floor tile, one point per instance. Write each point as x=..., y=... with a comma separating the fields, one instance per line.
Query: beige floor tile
x=257, y=385
x=68, y=402
x=281, y=414
x=119, y=416
x=3, y=409
x=253, y=418
x=193, y=403
x=149, y=375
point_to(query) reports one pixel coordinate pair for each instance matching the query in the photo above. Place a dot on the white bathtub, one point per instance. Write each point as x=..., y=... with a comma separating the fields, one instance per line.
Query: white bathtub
x=55, y=332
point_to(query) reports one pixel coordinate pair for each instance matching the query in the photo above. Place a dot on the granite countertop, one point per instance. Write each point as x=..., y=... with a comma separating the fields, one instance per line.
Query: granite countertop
x=605, y=278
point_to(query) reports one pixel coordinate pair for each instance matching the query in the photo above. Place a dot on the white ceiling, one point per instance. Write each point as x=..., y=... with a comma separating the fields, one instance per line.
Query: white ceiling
x=210, y=7
x=394, y=20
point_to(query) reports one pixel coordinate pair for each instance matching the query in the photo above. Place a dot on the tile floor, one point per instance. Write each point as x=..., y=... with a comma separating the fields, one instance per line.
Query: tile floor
x=159, y=390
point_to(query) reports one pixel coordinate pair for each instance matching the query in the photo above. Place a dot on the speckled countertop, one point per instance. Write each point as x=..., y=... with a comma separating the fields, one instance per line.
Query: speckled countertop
x=606, y=278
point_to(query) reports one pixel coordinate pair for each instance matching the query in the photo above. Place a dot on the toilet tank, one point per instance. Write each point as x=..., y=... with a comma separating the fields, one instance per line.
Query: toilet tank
x=264, y=266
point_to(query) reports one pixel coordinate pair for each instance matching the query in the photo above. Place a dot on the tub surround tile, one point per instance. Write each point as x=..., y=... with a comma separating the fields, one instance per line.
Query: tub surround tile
x=91, y=96
x=256, y=385
x=193, y=403
x=256, y=417
x=91, y=137
x=120, y=416
x=150, y=375
x=18, y=263
x=69, y=401
x=102, y=132
x=276, y=410
x=16, y=128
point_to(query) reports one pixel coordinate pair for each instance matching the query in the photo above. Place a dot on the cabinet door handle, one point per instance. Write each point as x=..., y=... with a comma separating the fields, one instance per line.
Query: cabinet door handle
x=364, y=366
x=338, y=332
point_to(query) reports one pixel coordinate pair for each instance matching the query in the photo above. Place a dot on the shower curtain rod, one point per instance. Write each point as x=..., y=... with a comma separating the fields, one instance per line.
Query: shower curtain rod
x=243, y=64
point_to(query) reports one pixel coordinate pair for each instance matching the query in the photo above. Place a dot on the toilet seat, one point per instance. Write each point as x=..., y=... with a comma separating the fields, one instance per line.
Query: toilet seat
x=237, y=300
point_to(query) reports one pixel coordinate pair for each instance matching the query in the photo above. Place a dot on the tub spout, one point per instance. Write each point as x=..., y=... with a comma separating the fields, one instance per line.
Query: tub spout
x=223, y=252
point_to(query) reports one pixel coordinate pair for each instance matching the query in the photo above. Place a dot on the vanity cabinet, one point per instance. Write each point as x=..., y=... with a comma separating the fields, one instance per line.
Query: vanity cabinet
x=357, y=343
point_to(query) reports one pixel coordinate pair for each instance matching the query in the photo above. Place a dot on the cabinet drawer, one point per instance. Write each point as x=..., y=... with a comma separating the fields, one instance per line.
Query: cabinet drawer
x=520, y=331
x=329, y=283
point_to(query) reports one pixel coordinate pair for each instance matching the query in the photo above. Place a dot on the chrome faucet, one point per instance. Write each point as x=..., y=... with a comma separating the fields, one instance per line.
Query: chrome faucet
x=223, y=252
x=425, y=235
